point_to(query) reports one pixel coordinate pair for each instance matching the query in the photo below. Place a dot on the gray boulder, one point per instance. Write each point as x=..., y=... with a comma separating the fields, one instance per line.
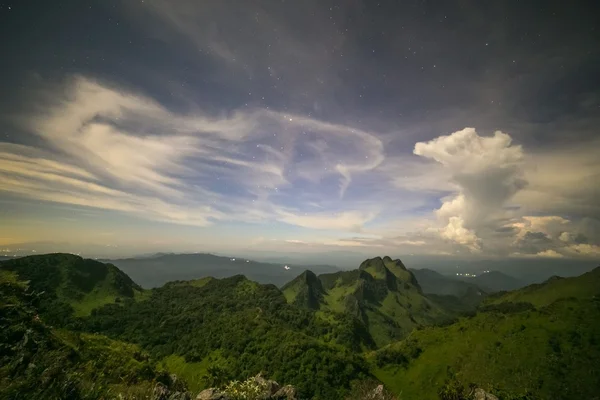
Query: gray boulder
x=481, y=394
x=287, y=392
x=161, y=392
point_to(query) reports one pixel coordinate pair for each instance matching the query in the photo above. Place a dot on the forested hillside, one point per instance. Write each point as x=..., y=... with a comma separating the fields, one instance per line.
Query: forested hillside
x=234, y=328
x=40, y=362
x=382, y=294
x=542, y=341
x=322, y=334
x=70, y=284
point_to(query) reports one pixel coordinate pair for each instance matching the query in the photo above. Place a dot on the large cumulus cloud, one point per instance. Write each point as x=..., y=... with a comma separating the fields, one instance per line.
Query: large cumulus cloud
x=488, y=173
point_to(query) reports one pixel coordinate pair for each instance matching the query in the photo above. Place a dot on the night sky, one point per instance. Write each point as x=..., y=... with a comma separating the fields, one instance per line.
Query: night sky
x=454, y=128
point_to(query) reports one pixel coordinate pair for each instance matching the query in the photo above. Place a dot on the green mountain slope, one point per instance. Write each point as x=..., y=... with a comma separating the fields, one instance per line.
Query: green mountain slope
x=71, y=284
x=38, y=362
x=238, y=328
x=305, y=290
x=382, y=294
x=551, y=351
x=318, y=333
x=553, y=289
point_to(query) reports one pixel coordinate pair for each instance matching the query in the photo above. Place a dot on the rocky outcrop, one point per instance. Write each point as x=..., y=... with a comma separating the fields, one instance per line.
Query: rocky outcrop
x=263, y=389
x=287, y=392
x=212, y=394
x=161, y=392
x=481, y=394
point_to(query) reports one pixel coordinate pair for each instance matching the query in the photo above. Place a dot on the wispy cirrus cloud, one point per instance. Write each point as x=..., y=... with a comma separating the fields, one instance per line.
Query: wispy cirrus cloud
x=111, y=148
x=106, y=147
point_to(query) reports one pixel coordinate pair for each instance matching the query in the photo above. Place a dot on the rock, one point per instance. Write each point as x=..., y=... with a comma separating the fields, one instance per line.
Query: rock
x=378, y=391
x=211, y=394
x=160, y=392
x=481, y=394
x=177, y=384
x=287, y=392
x=269, y=387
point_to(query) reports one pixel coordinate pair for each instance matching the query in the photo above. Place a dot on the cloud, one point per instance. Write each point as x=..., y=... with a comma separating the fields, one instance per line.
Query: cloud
x=556, y=236
x=102, y=146
x=115, y=149
x=351, y=220
x=563, y=180
x=487, y=172
x=549, y=254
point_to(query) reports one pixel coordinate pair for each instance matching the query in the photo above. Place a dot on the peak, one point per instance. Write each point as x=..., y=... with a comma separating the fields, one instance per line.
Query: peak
x=372, y=262
x=309, y=275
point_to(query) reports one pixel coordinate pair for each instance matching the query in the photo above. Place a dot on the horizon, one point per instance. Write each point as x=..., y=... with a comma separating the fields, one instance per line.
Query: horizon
x=314, y=130
x=528, y=269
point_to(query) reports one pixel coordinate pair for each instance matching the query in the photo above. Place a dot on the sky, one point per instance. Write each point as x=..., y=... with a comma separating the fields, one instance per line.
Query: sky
x=461, y=129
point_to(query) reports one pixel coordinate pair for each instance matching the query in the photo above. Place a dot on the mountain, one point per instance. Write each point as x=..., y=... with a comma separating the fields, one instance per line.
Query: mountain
x=324, y=334
x=530, y=270
x=381, y=293
x=239, y=328
x=555, y=288
x=494, y=281
x=71, y=284
x=452, y=294
x=540, y=342
x=155, y=271
x=433, y=282
x=39, y=362
x=207, y=330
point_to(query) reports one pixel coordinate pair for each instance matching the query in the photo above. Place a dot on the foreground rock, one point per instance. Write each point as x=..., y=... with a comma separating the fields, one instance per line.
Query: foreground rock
x=256, y=388
x=161, y=392
x=212, y=394
x=481, y=394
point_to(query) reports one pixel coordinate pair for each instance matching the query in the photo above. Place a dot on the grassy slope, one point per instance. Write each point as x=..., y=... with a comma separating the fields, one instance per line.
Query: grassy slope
x=390, y=303
x=250, y=324
x=38, y=362
x=582, y=286
x=551, y=351
x=81, y=283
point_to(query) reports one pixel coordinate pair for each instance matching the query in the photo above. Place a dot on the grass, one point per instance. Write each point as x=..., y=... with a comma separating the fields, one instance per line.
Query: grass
x=91, y=300
x=103, y=293
x=291, y=292
x=549, y=352
x=192, y=372
x=541, y=295
x=334, y=298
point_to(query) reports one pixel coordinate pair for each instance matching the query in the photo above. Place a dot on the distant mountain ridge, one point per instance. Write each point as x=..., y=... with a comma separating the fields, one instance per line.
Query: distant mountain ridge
x=495, y=281
x=156, y=270
x=432, y=282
